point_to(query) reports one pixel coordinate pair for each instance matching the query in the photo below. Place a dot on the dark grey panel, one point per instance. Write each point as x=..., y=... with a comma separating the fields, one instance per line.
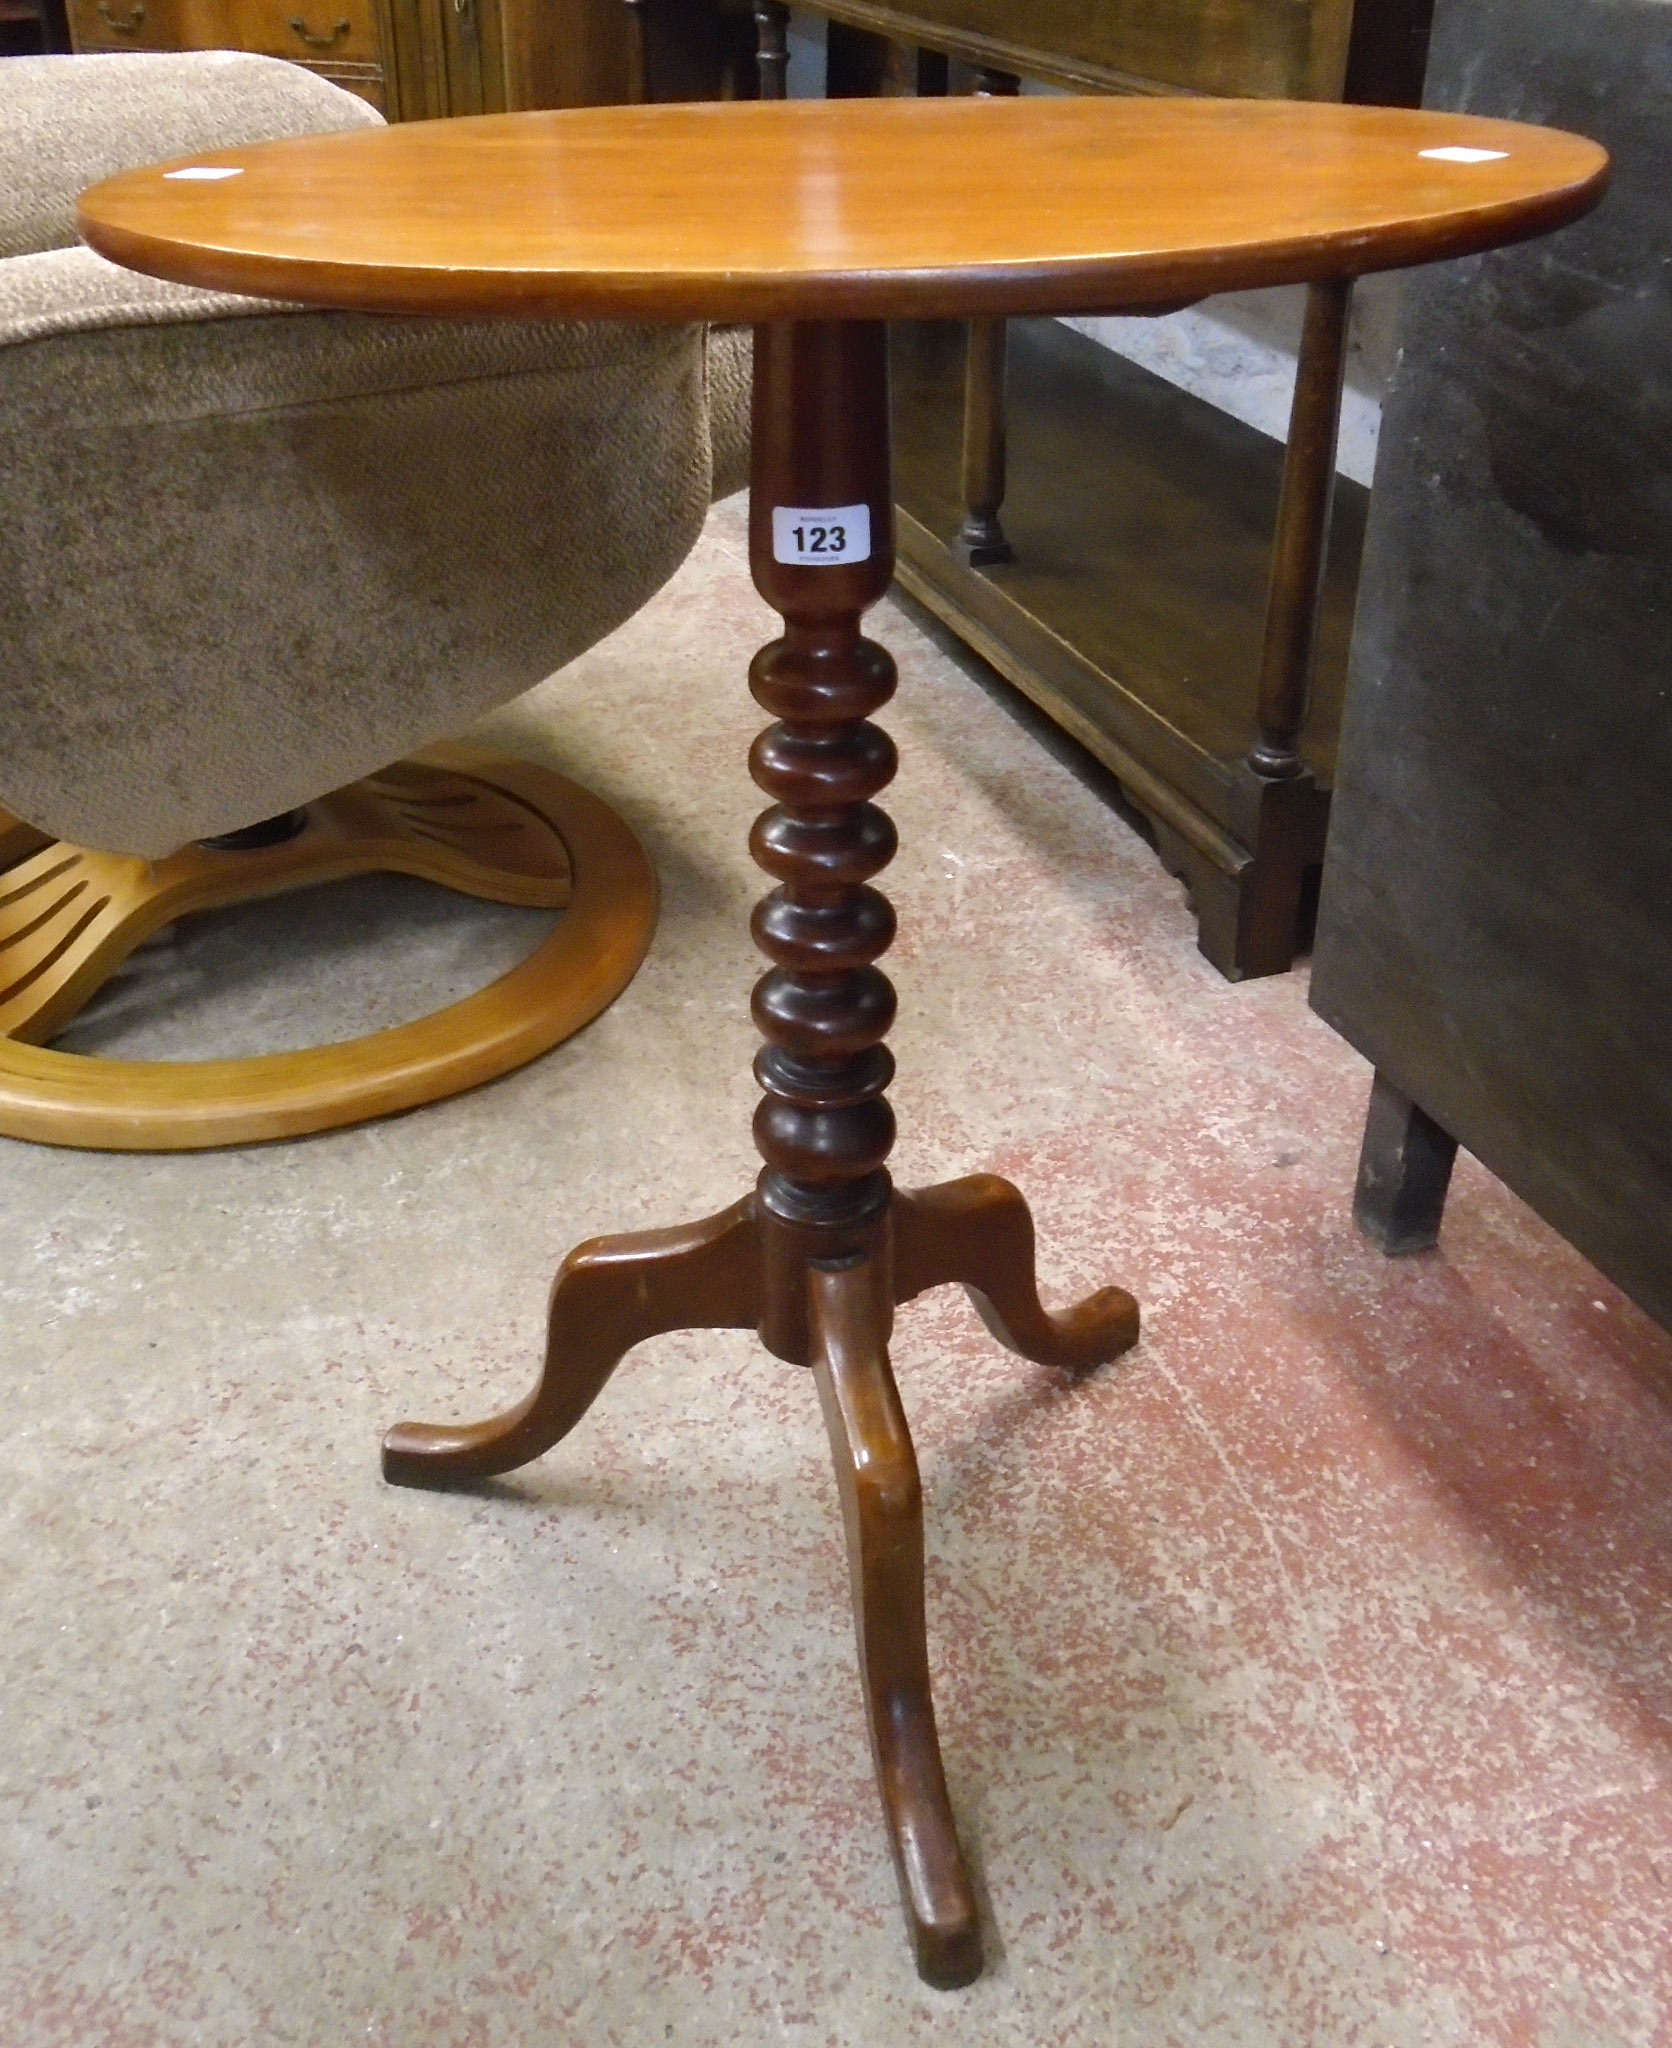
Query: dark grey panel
x=1496, y=928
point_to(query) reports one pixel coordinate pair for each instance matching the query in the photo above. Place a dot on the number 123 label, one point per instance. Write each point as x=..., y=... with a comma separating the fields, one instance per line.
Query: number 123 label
x=821, y=537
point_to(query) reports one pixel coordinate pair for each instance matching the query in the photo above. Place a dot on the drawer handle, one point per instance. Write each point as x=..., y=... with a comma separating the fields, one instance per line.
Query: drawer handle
x=301, y=27
x=127, y=23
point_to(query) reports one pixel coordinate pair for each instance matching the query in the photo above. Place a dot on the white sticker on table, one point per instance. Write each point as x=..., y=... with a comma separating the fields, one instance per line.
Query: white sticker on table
x=821, y=536
x=207, y=173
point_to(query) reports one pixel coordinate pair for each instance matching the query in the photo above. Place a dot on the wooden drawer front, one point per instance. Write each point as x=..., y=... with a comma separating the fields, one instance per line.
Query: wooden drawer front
x=128, y=24
x=320, y=32
x=316, y=31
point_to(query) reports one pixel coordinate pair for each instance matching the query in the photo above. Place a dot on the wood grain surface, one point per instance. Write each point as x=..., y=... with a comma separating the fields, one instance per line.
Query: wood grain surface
x=846, y=209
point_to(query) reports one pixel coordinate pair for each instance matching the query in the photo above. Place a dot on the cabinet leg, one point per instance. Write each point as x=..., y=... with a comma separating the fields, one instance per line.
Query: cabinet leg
x=638, y=52
x=1404, y=1171
x=1252, y=919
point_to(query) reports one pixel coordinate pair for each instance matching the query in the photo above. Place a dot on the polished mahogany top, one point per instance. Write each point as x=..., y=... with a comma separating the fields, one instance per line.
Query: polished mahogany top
x=843, y=209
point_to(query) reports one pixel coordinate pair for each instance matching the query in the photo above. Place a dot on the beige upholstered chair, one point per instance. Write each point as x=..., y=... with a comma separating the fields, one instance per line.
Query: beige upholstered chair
x=257, y=552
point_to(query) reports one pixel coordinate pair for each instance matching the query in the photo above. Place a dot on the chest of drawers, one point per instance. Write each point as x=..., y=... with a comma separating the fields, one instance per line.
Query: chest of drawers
x=342, y=39
x=412, y=59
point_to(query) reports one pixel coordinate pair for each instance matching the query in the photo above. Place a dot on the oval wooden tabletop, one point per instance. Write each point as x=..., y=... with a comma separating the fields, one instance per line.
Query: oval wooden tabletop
x=845, y=209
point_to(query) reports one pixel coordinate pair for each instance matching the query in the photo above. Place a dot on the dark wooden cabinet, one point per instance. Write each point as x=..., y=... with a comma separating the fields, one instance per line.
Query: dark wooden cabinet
x=1496, y=927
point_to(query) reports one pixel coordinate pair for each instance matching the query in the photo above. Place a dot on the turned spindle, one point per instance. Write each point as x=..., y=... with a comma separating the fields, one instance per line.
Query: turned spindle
x=638, y=51
x=1301, y=545
x=981, y=539
x=772, y=48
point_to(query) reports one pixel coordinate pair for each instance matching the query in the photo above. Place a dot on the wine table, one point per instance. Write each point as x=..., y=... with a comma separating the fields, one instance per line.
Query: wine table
x=819, y=221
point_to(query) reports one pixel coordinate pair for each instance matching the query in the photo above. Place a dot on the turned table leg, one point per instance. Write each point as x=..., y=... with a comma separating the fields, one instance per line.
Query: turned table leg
x=981, y=539
x=772, y=49
x=1301, y=545
x=817, y=1257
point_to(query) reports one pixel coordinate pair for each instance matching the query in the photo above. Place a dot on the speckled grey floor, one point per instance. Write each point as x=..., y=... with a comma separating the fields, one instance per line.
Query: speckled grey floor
x=307, y=969
x=1303, y=1680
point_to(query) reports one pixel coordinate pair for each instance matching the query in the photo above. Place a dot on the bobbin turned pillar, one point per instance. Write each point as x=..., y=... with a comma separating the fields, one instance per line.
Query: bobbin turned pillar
x=821, y=548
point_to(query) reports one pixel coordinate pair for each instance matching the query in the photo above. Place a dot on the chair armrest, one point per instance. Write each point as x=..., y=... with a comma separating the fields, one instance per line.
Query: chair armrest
x=74, y=291
x=67, y=122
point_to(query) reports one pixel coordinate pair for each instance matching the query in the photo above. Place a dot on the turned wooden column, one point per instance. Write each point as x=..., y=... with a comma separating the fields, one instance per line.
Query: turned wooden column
x=772, y=49
x=981, y=539
x=1302, y=539
x=822, y=551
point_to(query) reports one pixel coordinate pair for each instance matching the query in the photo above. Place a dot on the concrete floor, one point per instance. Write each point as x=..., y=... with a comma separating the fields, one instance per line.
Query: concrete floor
x=1306, y=1678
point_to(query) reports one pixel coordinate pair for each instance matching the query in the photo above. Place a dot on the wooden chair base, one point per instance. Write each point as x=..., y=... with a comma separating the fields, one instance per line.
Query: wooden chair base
x=750, y=1269
x=484, y=824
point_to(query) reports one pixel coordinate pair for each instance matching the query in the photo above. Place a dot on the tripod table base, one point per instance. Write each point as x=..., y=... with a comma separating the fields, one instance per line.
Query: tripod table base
x=747, y=1269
